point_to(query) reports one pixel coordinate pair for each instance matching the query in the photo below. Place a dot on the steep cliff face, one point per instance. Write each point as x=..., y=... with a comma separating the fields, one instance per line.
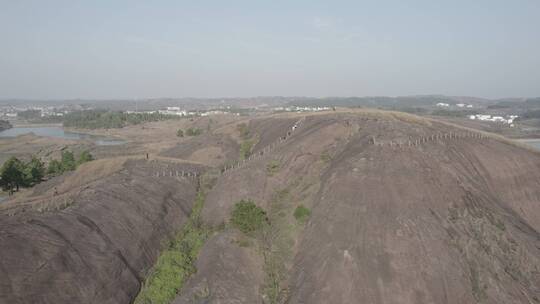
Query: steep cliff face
x=97, y=247
x=404, y=210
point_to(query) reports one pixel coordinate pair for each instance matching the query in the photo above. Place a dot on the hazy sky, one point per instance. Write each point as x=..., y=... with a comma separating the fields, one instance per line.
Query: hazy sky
x=140, y=49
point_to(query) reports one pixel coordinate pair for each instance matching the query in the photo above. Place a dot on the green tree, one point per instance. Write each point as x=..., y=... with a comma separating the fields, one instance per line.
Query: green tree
x=12, y=174
x=55, y=167
x=85, y=157
x=180, y=133
x=68, y=161
x=34, y=171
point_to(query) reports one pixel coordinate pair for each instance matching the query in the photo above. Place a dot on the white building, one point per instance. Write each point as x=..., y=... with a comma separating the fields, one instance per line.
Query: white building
x=509, y=119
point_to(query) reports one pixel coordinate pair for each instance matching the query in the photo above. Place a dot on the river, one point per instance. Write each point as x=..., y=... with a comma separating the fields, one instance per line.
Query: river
x=532, y=142
x=59, y=132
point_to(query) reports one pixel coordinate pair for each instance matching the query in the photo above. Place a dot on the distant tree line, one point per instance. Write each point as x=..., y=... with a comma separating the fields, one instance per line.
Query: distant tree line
x=15, y=173
x=29, y=114
x=4, y=124
x=103, y=119
x=454, y=113
x=68, y=162
x=530, y=115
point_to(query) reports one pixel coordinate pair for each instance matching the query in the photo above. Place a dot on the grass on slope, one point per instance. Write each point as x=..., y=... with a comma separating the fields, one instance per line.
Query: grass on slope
x=245, y=148
x=176, y=263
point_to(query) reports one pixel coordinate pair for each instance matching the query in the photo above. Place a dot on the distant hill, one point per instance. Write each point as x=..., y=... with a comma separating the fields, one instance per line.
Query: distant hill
x=385, y=102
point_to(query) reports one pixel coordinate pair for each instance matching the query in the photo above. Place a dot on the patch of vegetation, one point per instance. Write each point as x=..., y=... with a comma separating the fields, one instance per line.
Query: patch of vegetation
x=193, y=132
x=4, y=124
x=16, y=173
x=412, y=110
x=103, y=119
x=177, y=262
x=325, y=157
x=243, y=241
x=274, y=233
x=478, y=290
x=248, y=140
x=202, y=293
x=180, y=133
x=529, y=115
x=302, y=213
x=248, y=217
x=243, y=129
x=277, y=242
x=452, y=113
x=272, y=167
x=84, y=157
x=245, y=148
x=68, y=162
x=29, y=114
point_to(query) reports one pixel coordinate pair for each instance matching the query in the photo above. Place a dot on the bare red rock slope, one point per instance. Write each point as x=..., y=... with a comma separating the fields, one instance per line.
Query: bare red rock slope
x=403, y=210
x=99, y=248
x=454, y=218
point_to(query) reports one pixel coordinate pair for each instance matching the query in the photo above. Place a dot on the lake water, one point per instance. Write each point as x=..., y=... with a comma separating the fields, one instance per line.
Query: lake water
x=59, y=132
x=534, y=143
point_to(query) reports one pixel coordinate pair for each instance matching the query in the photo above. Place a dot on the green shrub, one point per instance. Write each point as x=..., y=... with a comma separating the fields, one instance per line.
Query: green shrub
x=272, y=167
x=243, y=130
x=193, y=132
x=245, y=149
x=180, y=133
x=68, y=161
x=325, y=157
x=85, y=157
x=55, y=167
x=248, y=217
x=302, y=213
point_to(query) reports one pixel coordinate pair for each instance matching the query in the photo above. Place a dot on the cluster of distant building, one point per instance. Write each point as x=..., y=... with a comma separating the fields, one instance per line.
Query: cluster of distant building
x=459, y=105
x=177, y=111
x=11, y=112
x=509, y=119
x=302, y=109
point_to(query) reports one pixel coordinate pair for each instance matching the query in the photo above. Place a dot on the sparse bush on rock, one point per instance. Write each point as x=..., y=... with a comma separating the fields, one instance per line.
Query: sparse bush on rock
x=302, y=213
x=248, y=217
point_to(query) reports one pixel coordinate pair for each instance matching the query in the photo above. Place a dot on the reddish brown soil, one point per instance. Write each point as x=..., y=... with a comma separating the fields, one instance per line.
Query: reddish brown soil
x=99, y=248
x=450, y=220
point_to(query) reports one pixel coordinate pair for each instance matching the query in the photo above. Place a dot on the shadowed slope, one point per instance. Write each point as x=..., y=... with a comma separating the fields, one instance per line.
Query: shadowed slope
x=98, y=248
